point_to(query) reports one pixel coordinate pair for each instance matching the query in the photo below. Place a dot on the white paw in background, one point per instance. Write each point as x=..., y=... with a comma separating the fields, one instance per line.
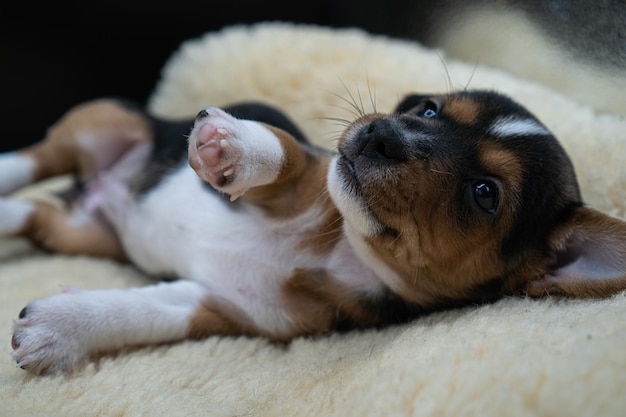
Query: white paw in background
x=15, y=172
x=13, y=215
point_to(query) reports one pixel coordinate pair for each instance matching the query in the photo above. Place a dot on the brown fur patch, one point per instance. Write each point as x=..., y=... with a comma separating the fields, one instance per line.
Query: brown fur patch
x=322, y=239
x=503, y=164
x=107, y=130
x=318, y=303
x=218, y=317
x=53, y=228
x=439, y=265
x=300, y=183
x=462, y=109
x=311, y=300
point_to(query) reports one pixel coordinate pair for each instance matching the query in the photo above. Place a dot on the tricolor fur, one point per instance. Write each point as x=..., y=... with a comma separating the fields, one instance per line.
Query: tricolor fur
x=449, y=200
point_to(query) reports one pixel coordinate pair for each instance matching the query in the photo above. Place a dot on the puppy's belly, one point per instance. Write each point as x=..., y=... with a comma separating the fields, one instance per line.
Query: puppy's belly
x=181, y=228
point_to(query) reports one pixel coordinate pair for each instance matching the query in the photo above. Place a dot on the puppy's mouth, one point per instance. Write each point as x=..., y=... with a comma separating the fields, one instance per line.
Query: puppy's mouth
x=349, y=174
x=346, y=191
x=352, y=180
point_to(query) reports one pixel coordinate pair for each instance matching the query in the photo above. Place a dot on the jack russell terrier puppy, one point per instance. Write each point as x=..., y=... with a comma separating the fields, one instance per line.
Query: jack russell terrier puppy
x=450, y=200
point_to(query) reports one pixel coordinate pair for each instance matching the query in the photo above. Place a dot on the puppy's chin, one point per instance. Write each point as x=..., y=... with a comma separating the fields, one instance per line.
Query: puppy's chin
x=345, y=191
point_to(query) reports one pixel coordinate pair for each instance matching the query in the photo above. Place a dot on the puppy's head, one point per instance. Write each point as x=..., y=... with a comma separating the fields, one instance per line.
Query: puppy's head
x=467, y=196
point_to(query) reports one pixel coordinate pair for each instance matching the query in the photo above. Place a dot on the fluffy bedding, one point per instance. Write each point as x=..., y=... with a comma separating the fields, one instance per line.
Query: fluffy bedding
x=516, y=357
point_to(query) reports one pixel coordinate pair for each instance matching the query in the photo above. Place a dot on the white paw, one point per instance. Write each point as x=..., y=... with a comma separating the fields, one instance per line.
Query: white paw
x=46, y=336
x=16, y=171
x=14, y=214
x=57, y=333
x=233, y=155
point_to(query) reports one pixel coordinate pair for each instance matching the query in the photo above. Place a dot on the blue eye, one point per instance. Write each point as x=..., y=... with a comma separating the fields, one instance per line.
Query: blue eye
x=428, y=110
x=428, y=113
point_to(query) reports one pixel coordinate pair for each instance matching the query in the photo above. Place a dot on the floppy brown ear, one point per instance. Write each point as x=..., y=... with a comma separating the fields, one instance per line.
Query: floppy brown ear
x=590, y=254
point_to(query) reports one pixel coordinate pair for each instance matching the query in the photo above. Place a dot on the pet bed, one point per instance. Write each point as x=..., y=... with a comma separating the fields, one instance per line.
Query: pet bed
x=516, y=357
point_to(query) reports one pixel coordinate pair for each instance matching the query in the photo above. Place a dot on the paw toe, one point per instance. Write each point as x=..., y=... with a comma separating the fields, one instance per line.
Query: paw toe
x=14, y=343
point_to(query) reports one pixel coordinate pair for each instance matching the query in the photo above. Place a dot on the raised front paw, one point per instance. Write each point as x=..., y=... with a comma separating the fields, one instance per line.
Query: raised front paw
x=233, y=155
x=217, y=148
x=44, y=339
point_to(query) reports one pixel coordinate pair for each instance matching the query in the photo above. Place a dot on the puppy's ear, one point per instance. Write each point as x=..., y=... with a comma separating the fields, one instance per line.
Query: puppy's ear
x=590, y=255
x=410, y=101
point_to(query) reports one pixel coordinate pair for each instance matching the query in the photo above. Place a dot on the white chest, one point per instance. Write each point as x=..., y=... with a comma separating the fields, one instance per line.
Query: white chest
x=185, y=230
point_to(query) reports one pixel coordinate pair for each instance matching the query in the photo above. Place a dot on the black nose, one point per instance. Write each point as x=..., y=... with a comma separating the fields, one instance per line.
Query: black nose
x=382, y=140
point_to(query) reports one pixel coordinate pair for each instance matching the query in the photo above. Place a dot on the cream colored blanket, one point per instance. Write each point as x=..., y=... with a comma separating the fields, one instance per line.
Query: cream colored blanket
x=517, y=357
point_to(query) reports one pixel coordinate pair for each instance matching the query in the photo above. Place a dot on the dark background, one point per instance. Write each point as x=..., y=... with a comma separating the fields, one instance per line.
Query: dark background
x=54, y=55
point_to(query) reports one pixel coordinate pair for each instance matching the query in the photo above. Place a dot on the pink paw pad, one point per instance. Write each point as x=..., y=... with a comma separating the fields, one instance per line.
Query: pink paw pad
x=211, y=144
x=216, y=153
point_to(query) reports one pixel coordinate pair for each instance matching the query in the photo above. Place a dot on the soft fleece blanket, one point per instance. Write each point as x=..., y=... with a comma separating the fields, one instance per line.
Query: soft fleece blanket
x=517, y=357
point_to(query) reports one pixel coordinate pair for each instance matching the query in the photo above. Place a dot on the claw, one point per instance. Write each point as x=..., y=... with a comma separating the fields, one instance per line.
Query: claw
x=14, y=343
x=234, y=196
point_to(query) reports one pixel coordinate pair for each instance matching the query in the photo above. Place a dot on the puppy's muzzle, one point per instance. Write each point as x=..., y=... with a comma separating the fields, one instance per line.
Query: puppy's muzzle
x=382, y=140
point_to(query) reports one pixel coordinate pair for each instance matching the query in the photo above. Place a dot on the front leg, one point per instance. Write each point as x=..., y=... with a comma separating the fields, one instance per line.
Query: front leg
x=56, y=333
x=265, y=163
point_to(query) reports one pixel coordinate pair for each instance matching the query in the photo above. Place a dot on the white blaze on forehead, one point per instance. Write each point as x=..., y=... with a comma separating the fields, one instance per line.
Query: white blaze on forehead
x=514, y=126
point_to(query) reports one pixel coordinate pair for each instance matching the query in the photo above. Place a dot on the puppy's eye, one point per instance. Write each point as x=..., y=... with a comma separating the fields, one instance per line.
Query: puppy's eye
x=427, y=110
x=485, y=195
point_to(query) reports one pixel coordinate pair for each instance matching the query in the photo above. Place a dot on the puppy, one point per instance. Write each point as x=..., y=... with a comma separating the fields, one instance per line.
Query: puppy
x=449, y=200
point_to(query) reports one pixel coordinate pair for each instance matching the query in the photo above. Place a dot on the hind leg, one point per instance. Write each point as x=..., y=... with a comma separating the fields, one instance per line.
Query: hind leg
x=16, y=171
x=57, y=333
x=54, y=228
x=87, y=139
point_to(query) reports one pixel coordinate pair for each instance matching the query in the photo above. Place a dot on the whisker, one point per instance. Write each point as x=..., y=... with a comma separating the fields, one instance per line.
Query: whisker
x=371, y=94
x=440, y=172
x=358, y=91
x=340, y=121
x=397, y=238
x=330, y=144
x=471, y=75
x=334, y=135
x=416, y=278
x=352, y=108
x=448, y=78
x=354, y=103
